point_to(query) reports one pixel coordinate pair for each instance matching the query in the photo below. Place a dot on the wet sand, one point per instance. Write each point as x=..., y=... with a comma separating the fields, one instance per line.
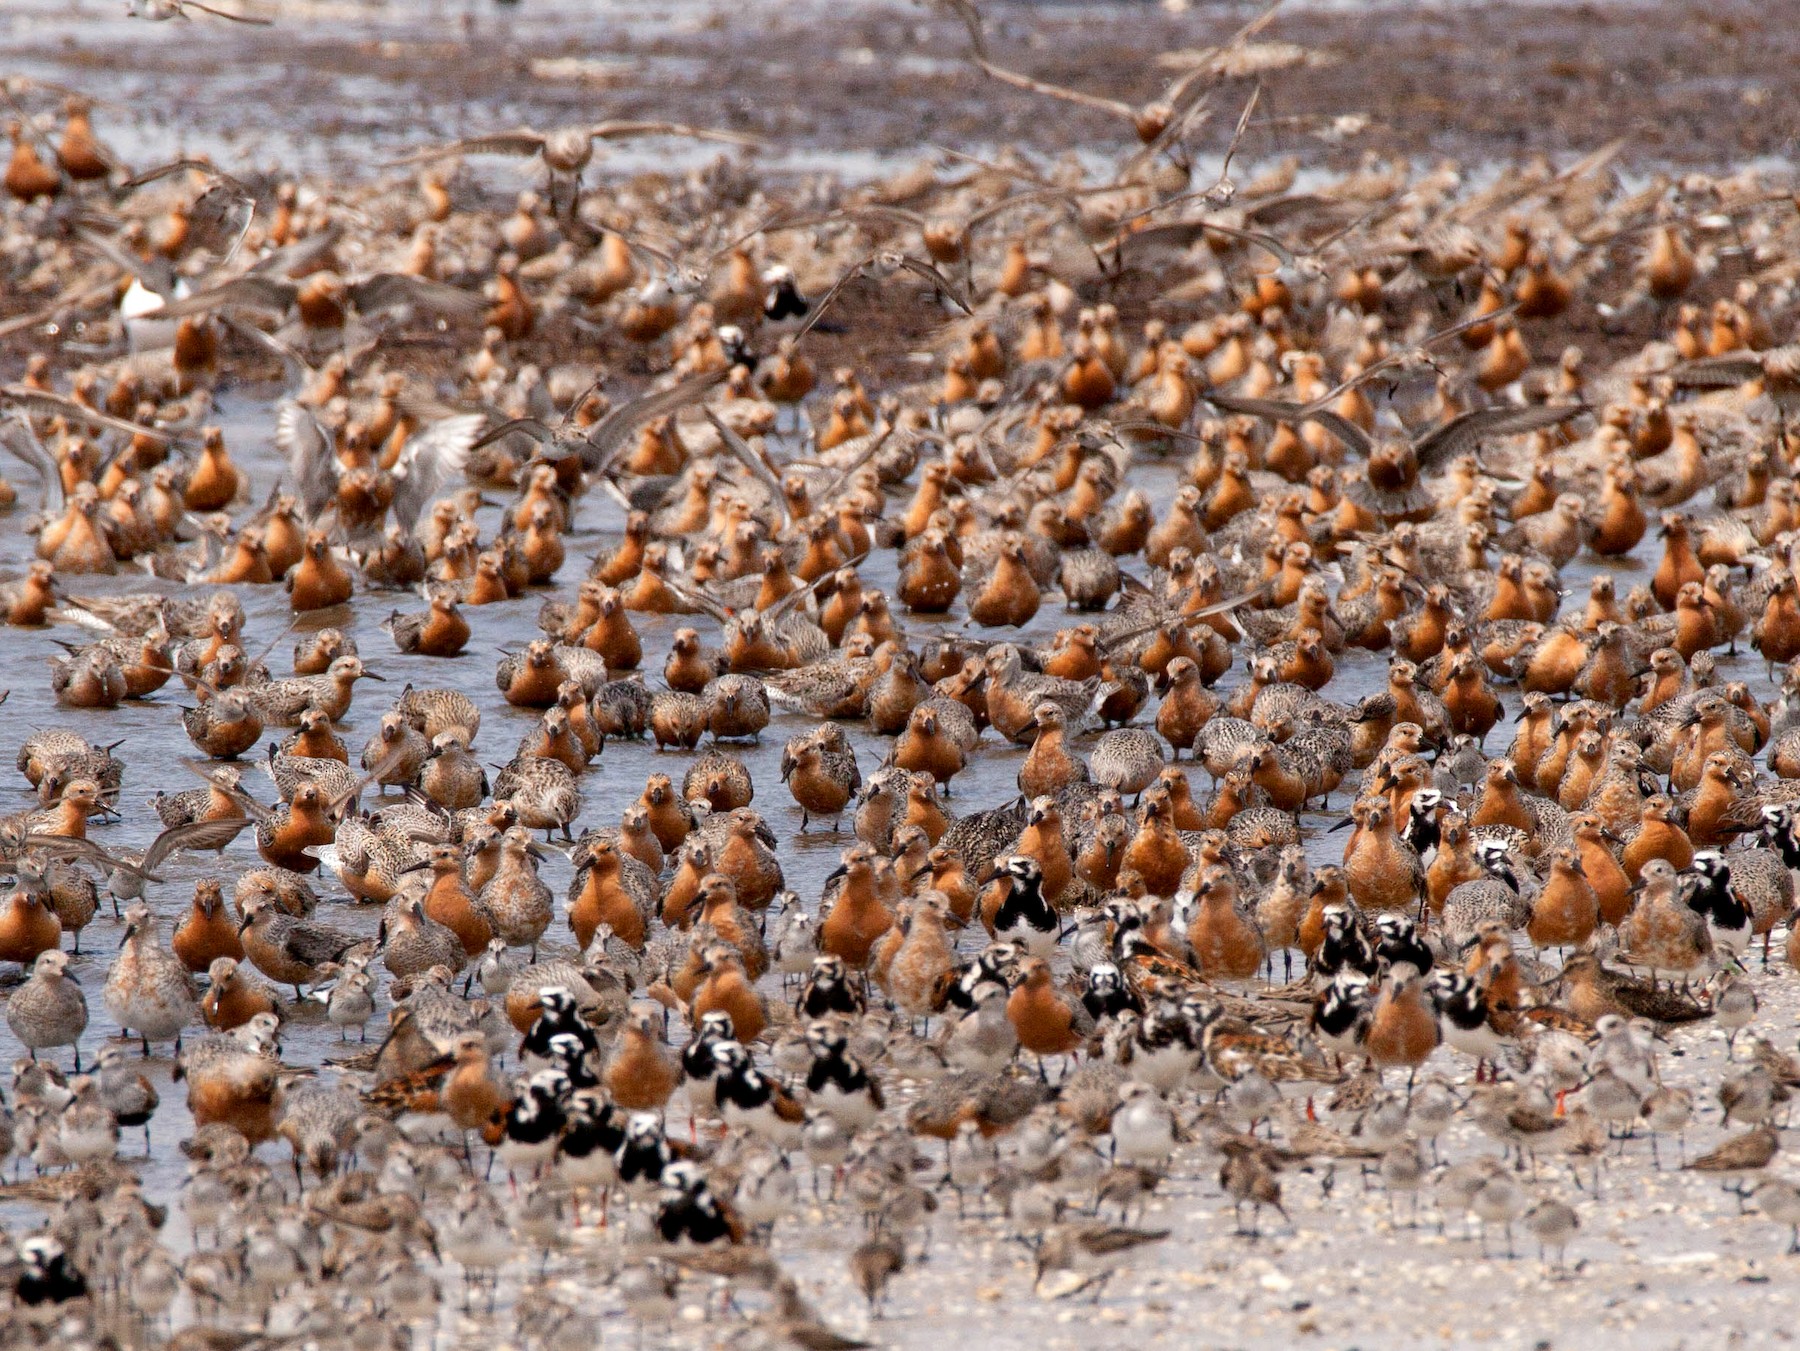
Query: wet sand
x=867, y=93
x=859, y=89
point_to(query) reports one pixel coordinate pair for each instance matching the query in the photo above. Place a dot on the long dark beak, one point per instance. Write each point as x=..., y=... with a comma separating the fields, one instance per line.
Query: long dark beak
x=370, y=675
x=1347, y=821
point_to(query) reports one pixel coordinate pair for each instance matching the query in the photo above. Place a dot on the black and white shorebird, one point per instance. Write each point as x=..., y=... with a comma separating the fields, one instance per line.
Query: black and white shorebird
x=1463, y=1017
x=751, y=1100
x=1399, y=942
x=840, y=1085
x=1346, y=946
x=1341, y=1013
x=991, y=966
x=828, y=990
x=699, y=1068
x=645, y=1155
x=782, y=299
x=593, y=1133
x=1729, y=921
x=1025, y=916
x=690, y=1213
x=566, y=1053
x=534, y=1121
x=1780, y=831
x=47, y=1275
x=557, y=1013
x=1107, y=995
x=1421, y=829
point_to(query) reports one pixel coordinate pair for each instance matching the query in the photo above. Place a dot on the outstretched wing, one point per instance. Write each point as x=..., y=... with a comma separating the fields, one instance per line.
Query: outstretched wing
x=294, y=366
x=530, y=426
x=195, y=835
x=877, y=437
x=1262, y=239
x=16, y=435
x=307, y=448
x=746, y=455
x=919, y=268
x=385, y=765
x=156, y=273
x=433, y=458
x=56, y=405
x=252, y=291
x=1720, y=372
x=204, y=166
x=396, y=290
x=608, y=434
x=67, y=847
x=201, y=770
x=618, y=130
x=824, y=301
x=521, y=142
x=1056, y=91
x=301, y=255
x=1464, y=432
x=1279, y=410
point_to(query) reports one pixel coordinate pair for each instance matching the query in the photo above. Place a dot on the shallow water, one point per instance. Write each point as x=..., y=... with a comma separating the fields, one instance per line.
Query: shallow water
x=153, y=743
x=938, y=1300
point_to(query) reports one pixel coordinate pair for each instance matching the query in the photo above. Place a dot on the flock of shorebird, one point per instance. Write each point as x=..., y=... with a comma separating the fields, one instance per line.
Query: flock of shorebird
x=1041, y=1004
